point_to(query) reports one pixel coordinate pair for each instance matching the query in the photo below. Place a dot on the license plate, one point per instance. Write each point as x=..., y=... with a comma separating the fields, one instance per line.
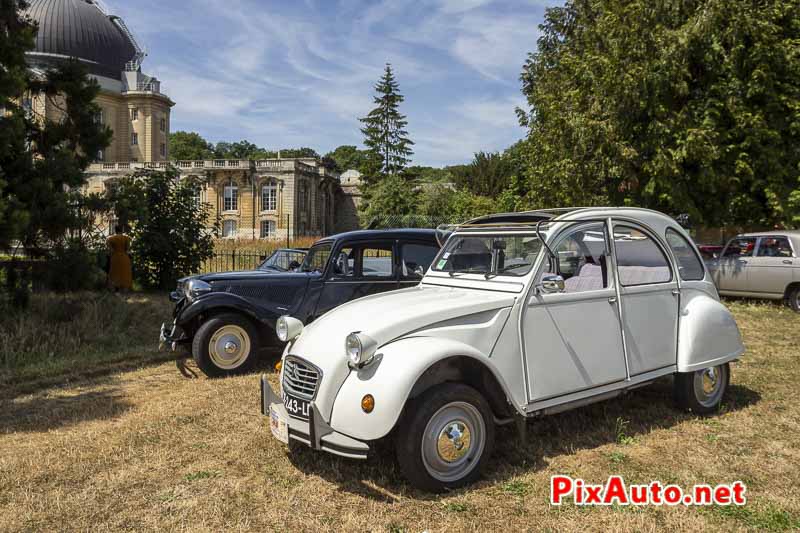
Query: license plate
x=279, y=426
x=296, y=407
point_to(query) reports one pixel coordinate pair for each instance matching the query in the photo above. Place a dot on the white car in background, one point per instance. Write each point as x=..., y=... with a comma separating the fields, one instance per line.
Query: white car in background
x=519, y=316
x=760, y=265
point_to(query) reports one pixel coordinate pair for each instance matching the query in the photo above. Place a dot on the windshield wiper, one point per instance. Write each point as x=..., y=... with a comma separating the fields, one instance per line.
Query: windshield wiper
x=505, y=269
x=453, y=273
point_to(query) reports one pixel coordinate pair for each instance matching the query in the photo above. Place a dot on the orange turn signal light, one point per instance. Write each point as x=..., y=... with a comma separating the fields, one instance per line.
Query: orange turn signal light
x=367, y=403
x=278, y=366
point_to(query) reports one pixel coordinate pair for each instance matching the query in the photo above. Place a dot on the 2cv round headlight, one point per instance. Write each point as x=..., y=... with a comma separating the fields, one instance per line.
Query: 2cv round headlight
x=360, y=349
x=288, y=328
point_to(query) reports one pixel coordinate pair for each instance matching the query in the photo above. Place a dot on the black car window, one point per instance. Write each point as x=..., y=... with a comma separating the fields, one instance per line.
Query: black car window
x=377, y=261
x=317, y=258
x=689, y=265
x=417, y=258
x=345, y=264
x=740, y=247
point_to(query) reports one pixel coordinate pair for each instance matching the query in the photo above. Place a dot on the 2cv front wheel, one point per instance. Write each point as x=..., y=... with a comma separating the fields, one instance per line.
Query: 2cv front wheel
x=701, y=392
x=445, y=437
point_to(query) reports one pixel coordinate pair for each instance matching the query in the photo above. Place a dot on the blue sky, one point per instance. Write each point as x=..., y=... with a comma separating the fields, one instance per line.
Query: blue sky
x=300, y=73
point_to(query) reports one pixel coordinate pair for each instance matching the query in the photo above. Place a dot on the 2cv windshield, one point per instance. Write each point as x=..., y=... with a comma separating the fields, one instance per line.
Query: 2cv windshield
x=490, y=255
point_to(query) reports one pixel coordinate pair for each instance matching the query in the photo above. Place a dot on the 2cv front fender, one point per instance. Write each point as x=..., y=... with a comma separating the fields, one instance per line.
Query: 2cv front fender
x=223, y=301
x=708, y=334
x=390, y=379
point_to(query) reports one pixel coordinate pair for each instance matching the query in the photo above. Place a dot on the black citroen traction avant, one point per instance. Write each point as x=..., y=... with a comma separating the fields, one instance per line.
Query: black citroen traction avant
x=225, y=319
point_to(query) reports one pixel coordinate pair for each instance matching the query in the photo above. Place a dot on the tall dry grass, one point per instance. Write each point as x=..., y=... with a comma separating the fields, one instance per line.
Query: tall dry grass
x=59, y=334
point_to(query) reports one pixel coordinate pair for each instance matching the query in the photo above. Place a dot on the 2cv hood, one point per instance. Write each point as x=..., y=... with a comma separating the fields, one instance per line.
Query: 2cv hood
x=391, y=315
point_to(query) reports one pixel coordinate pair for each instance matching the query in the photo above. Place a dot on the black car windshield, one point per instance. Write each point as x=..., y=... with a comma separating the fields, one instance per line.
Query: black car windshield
x=490, y=255
x=282, y=260
x=317, y=258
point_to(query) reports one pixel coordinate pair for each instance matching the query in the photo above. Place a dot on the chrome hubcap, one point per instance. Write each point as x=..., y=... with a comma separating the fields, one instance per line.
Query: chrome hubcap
x=229, y=347
x=453, y=442
x=709, y=385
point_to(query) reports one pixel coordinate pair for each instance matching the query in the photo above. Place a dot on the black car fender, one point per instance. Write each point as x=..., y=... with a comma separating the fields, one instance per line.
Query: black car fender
x=216, y=302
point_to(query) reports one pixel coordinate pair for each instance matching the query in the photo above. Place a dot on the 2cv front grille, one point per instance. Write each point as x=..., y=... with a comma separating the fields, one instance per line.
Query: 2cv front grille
x=300, y=379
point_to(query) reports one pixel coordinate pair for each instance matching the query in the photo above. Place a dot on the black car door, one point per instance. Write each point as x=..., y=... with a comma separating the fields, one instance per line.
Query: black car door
x=415, y=260
x=357, y=270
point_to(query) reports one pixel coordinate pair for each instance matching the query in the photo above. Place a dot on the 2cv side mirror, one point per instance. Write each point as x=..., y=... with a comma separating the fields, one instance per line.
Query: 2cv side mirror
x=551, y=284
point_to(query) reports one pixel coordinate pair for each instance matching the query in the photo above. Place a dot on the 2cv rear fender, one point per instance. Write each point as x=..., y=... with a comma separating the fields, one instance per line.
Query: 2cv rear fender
x=708, y=334
x=404, y=369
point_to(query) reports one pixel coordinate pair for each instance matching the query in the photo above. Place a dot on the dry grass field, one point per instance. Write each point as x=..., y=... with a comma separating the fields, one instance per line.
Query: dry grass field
x=149, y=449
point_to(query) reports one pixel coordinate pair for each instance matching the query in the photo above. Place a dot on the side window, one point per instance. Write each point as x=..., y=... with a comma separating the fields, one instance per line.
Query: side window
x=416, y=259
x=774, y=247
x=689, y=265
x=377, y=261
x=639, y=259
x=581, y=259
x=740, y=247
x=345, y=264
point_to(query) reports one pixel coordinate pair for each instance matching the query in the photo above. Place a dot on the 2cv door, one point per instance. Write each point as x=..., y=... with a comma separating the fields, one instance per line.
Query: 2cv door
x=573, y=338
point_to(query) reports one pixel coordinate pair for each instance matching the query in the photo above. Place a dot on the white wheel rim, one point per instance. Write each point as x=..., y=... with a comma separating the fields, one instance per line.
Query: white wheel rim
x=229, y=347
x=709, y=385
x=453, y=441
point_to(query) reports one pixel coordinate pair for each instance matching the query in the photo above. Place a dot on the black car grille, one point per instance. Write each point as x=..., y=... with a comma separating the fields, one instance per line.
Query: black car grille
x=300, y=379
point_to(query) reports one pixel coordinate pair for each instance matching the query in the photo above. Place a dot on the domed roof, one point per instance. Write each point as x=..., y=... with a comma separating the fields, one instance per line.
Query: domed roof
x=78, y=28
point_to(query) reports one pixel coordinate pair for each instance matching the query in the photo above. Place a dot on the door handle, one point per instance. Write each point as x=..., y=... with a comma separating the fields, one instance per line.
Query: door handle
x=676, y=292
x=612, y=300
x=787, y=261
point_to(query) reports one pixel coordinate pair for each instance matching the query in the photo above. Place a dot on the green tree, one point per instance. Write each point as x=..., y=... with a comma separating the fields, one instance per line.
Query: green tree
x=169, y=230
x=392, y=197
x=384, y=132
x=291, y=153
x=189, y=146
x=486, y=175
x=348, y=157
x=684, y=106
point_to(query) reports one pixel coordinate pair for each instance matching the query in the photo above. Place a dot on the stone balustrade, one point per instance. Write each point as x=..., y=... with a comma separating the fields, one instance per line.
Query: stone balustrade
x=287, y=165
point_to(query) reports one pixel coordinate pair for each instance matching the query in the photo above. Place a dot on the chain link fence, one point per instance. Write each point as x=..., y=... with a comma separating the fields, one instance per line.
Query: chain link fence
x=410, y=221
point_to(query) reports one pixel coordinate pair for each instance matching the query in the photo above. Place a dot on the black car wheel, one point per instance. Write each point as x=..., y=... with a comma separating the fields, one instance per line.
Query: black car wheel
x=226, y=345
x=701, y=392
x=445, y=437
x=794, y=298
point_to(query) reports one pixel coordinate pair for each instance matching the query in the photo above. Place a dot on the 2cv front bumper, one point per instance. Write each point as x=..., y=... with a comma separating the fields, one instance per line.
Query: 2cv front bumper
x=315, y=432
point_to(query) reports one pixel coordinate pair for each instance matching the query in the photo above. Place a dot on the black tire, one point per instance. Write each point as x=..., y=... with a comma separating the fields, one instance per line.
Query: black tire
x=689, y=392
x=793, y=299
x=234, y=328
x=436, y=406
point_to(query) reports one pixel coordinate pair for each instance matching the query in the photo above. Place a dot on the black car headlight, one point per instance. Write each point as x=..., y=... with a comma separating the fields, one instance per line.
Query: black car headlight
x=195, y=288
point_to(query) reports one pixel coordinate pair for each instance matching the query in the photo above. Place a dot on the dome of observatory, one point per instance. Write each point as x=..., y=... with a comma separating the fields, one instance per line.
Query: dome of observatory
x=80, y=29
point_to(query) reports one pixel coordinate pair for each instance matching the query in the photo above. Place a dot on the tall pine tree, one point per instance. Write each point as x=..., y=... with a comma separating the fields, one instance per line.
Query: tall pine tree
x=384, y=130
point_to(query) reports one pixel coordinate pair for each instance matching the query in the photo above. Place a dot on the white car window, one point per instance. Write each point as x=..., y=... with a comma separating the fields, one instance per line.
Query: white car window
x=640, y=261
x=774, y=247
x=689, y=264
x=582, y=257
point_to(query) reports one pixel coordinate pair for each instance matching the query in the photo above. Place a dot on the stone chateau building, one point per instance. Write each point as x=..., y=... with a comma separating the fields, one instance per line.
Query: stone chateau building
x=269, y=199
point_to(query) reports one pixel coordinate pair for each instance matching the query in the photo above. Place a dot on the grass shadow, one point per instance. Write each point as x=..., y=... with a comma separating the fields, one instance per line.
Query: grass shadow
x=631, y=416
x=40, y=412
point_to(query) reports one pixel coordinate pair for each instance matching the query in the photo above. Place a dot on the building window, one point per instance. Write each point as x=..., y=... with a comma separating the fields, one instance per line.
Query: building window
x=231, y=197
x=101, y=155
x=163, y=124
x=98, y=118
x=134, y=139
x=269, y=197
x=301, y=197
x=163, y=150
x=134, y=114
x=268, y=229
x=229, y=229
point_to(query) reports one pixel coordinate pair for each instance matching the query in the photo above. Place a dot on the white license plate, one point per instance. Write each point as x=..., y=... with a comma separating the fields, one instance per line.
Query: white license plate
x=279, y=426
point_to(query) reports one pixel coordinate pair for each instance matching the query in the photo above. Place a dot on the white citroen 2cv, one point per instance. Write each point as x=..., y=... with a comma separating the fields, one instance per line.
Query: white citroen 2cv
x=520, y=315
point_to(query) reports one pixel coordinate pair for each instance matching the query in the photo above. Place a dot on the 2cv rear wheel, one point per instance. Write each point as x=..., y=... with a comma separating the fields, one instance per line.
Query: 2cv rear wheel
x=701, y=392
x=445, y=437
x=226, y=345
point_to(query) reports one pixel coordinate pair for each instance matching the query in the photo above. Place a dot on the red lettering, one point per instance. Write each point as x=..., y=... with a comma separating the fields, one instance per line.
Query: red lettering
x=560, y=486
x=638, y=494
x=655, y=493
x=722, y=495
x=615, y=490
x=593, y=494
x=672, y=494
x=702, y=495
x=738, y=493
